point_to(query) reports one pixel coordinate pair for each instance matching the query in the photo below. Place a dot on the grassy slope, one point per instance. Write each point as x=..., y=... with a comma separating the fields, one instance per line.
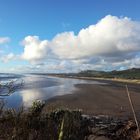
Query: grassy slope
x=125, y=74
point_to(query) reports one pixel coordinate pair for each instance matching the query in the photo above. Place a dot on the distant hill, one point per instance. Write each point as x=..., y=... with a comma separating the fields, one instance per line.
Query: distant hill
x=133, y=73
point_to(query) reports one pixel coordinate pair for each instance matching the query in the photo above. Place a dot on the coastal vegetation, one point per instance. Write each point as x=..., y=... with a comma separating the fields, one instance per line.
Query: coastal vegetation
x=62, y=125
x=125, y=76
x=133, y=73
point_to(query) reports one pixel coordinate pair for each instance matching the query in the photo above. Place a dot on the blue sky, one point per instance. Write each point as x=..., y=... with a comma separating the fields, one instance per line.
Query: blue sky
x=46, y=19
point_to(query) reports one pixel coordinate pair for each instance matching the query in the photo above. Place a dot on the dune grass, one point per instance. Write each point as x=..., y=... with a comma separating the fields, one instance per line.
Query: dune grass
x=61, y=125
x=32, y=124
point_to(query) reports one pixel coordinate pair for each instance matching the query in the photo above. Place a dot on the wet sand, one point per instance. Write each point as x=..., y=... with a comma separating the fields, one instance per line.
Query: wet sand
x=108, y=99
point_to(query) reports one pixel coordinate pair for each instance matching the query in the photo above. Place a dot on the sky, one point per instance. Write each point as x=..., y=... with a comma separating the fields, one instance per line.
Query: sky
x=69, y=35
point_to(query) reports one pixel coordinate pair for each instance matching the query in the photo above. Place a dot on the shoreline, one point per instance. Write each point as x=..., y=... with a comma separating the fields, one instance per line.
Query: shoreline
x=129, y=81
x=103, y=99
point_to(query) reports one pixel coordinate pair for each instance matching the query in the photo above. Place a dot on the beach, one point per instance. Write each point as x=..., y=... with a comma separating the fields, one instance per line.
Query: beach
x=99, y=99
x=93, y=97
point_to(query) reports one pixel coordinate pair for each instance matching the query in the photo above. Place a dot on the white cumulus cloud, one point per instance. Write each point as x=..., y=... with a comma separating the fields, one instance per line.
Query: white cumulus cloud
x=112, y=40
x=34, y=49
x=110, y=36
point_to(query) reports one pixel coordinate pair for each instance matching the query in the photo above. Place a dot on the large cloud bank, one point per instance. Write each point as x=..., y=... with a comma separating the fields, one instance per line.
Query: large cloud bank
x=113, y=42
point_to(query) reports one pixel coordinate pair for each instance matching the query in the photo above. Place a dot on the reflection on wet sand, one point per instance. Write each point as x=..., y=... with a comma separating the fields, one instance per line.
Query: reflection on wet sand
x=38, y=87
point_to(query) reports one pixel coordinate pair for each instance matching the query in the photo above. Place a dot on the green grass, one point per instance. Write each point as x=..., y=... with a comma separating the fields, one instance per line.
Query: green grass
x=124, y=74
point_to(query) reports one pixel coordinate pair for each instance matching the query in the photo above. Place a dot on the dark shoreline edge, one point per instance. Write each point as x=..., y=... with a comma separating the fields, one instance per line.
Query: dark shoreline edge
x=118, y=80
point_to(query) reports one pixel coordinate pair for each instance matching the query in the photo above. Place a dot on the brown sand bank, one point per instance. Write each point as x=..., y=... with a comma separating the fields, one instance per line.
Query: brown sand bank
x=131, y=81
x=94, y=99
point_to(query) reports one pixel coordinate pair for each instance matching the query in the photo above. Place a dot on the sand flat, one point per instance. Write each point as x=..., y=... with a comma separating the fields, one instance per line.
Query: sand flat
x=104, y=99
